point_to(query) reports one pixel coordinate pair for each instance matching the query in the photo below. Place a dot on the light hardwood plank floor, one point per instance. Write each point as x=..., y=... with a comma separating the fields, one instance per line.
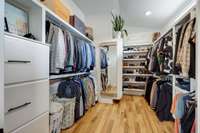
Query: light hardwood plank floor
x=131, y=115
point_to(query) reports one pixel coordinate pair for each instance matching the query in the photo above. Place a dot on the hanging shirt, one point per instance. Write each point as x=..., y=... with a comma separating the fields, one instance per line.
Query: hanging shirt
x=89, y=56
x=57, y=49
x=69, y=61
x=92, y=49
x=184, y=56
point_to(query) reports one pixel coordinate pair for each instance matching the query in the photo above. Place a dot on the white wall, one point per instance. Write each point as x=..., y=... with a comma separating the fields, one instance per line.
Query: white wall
x=74, y=9
x=101, y=21
x=101, y=25
x=1, y=64
x=139, y=38
x=139, y=35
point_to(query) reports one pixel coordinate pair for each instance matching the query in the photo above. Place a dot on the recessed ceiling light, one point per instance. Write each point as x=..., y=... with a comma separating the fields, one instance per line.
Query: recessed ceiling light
x=148, y=13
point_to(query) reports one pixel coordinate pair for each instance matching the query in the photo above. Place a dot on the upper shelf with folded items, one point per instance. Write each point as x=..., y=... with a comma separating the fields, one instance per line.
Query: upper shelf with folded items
x=56, y=20
x=23, y=19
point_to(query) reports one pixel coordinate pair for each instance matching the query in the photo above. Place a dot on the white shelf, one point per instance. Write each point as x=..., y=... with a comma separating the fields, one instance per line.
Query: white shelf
x=135, y=52
x=67, y=75
x=51, y=15
x=112, y=42
x=133, y=91
x=141, y=59
x=139, y=45
x=139, y=75
x=24, y=38
x=134, y=82
x=133, y=67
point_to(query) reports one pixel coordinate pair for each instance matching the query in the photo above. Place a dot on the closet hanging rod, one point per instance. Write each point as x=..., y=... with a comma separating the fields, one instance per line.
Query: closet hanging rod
x=193, y=19
x=55, y=23
x=163, y=36
x=53, y=77
x=184, y=20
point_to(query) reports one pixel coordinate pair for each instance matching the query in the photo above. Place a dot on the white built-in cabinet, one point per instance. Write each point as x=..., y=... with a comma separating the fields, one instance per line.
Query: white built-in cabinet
x=24, y=95
x=26, y=75
x=26, y=86
x=114, y=70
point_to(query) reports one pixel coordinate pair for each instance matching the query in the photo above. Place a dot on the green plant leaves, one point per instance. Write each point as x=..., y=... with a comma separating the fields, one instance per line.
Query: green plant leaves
x=118, y=24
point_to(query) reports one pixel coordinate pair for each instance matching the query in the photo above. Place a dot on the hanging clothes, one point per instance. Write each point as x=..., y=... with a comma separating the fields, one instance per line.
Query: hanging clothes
x=88, y=85
x=192, y=41
x=104, y=59
x=164, y=101
x=70, y=89
x=83, y=89
x=89, y=56
x=69, y=43
x=93, y=56
x=57, y=49
x=154, y=94
x=148, y=88
x=68, y=54
x=183, y=112
x=184, y=50
x=178, y=36
x=153, y=63
x=168, y=51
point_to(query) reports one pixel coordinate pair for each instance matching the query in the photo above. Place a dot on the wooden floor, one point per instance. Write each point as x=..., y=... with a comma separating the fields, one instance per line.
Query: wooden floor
x=131, y=115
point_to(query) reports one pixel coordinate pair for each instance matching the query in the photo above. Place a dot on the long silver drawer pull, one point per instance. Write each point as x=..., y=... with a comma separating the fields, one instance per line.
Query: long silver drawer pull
x=18, y=61
x=18, y=107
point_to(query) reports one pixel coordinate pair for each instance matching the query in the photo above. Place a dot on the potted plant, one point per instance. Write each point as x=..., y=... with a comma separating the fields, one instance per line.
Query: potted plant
x=118, y=26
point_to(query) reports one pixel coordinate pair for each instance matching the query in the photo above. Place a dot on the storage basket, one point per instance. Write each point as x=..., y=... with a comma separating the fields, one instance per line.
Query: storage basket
x=56, y=114
x=68, y=114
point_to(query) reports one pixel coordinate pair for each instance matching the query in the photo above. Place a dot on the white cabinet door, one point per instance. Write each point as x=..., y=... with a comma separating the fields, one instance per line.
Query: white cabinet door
x=38, y=125
x=24, y=102
x=25, y=60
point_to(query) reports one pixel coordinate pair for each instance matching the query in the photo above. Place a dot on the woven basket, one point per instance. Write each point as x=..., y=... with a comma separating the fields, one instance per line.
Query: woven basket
x=56, y=114
x=68, y=114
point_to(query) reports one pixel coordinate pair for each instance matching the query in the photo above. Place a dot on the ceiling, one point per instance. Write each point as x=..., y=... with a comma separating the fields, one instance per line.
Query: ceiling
x=133, y=11
x=92, y=7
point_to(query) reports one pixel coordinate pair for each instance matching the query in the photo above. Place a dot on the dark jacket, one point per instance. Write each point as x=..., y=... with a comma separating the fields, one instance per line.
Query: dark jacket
x=164, y=101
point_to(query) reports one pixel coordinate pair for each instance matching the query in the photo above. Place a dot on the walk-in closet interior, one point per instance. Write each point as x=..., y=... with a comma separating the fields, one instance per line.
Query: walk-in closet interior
x=107, y=66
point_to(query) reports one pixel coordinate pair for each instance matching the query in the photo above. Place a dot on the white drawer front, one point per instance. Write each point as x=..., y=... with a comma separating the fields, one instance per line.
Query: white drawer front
x=38, y=125
x=25, y=60
x=24, y=102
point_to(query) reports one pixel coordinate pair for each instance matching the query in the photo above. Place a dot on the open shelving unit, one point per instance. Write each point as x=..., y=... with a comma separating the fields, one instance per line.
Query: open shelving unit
x=134, y=67
x=36, y=69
